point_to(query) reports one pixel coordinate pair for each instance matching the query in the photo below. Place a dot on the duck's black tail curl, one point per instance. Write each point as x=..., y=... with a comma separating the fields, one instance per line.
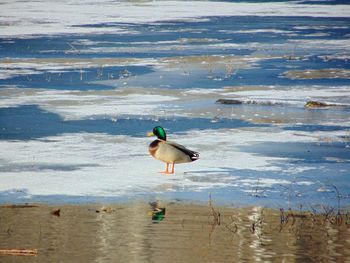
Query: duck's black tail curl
x=194, y=156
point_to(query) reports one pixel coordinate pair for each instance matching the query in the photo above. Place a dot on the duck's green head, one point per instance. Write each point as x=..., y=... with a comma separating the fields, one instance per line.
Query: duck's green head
x=159, y=132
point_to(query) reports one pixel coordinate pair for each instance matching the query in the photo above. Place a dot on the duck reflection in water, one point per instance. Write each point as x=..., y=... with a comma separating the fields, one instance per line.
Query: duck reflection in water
x=157, y=213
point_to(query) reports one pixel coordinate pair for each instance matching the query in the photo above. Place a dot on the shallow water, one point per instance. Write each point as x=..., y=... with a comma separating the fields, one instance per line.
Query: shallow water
x=186, y=233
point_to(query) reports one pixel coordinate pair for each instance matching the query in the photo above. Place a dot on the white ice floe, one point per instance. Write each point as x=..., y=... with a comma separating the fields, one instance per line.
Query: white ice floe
x=319, y=27
x=107, y=165
x=17, y=67
x=264, y=30
x=288, y=47
x=8, y=73
x=132, y=101
x=321, y=44
x=72, y=105
x=113, y=106
x=68, y=16
x=295, y=95
x=156, y=46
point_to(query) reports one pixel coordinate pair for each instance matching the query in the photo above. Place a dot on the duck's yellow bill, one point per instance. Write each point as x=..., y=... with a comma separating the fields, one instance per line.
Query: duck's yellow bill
x=150, y=134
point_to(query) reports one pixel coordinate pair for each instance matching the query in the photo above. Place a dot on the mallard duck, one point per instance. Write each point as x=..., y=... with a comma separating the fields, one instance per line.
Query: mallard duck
x=169, y=152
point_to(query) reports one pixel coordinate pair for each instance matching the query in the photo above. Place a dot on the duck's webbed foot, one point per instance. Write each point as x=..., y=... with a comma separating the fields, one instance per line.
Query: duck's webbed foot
x=167, y=170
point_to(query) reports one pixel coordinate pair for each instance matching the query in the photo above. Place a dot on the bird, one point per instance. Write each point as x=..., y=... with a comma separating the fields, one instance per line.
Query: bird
x=169, y=152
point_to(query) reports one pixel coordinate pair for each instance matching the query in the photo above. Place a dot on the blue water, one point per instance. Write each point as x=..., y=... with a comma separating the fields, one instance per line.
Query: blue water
x=30, y=122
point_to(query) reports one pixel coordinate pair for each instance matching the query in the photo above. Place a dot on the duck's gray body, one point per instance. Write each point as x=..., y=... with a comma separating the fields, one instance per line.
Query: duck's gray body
x=170, y=152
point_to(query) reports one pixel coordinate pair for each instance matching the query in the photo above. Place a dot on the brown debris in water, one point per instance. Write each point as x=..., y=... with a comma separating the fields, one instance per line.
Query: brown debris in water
x=19, y=252
x=19, y=206
x=56, y=212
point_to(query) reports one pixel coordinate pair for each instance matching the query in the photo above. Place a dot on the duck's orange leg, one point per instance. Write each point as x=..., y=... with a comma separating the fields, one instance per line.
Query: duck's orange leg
x=166, y=170
x=172, y=169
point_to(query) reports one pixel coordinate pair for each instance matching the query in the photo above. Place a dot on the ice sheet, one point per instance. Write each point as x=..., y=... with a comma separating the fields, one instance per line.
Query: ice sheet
x=69, y=16
x=104, y=165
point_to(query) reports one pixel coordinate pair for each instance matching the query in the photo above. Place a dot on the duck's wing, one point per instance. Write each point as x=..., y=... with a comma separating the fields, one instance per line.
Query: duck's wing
x=192, y=154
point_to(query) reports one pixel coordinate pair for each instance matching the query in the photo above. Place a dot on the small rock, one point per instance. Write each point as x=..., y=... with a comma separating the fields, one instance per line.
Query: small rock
x=229, y=101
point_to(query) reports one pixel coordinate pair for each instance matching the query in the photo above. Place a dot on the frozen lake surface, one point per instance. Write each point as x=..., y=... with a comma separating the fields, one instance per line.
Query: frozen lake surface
x=81, y=83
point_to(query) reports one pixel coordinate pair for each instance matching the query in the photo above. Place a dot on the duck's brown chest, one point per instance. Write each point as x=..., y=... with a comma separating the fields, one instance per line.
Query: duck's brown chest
x=153, y=147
